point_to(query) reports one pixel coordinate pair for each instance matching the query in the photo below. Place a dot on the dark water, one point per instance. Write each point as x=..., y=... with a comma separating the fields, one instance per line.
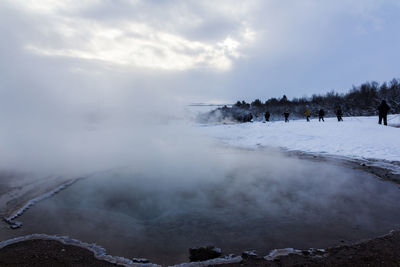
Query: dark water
x=255, y=200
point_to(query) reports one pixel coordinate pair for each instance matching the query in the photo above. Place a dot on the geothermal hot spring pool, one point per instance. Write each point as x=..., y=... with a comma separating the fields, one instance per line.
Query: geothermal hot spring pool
x=248, y=200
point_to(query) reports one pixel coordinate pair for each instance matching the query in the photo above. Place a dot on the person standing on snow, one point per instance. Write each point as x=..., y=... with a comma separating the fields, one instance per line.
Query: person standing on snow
x=321, y=114
x=339, y=114
x=286, y=114
x=308, y=114
x=383, y=111
x=267, y=115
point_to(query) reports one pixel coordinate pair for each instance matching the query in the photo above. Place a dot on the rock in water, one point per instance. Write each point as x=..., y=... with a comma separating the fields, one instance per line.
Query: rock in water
x=204, y=253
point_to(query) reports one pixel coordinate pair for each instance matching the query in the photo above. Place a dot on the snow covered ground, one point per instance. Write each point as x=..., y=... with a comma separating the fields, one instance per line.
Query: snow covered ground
x=355, y=137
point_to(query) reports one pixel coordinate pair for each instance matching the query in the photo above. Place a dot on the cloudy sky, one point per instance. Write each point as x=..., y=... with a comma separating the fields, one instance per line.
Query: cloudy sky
x=93, y=51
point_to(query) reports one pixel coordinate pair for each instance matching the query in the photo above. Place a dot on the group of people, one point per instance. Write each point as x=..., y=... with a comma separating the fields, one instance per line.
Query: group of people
x=321, y=114
x=383, y=110
x=307, y=113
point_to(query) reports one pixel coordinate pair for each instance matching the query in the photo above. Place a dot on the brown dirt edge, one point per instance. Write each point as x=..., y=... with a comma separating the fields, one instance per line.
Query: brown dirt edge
x=381, y=251
x=50, y=250
x=39, y=252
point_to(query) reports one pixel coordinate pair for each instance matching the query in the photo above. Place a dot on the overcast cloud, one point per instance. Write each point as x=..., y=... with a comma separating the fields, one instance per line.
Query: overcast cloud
x=195, y=51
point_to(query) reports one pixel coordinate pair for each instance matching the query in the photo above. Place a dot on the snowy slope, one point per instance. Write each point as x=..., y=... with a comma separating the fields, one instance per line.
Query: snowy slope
x=356, y=137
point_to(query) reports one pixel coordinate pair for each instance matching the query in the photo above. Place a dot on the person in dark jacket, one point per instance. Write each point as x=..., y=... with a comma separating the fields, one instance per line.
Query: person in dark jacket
x=383, y=111
x=267, y=115
x=286, y=114
x=321, y=114
x=339, y=114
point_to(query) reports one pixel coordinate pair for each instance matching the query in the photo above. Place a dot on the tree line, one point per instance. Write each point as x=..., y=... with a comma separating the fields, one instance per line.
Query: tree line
x=361, y=100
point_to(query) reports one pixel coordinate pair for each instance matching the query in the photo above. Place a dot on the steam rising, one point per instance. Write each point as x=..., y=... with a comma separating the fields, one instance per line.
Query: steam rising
x=234, y=199
x=81, y=126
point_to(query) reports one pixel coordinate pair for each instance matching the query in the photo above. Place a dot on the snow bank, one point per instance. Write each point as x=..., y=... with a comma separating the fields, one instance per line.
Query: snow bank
x=355, y=137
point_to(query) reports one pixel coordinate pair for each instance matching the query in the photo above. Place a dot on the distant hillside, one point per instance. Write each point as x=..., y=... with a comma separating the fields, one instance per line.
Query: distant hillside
x=362, y=100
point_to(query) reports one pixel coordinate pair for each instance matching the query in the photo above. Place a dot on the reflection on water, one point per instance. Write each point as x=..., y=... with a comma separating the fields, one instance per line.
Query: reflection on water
x=254, y=200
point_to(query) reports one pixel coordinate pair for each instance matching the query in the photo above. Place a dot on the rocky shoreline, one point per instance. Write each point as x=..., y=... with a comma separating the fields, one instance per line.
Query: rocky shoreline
x=381, y=251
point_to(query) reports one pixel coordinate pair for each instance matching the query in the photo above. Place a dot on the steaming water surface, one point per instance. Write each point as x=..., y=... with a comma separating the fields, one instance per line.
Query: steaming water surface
x=254, y=200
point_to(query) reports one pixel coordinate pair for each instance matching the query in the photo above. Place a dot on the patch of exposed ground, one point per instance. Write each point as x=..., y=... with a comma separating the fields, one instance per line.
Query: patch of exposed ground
x=48, y=253
x=382, y=251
